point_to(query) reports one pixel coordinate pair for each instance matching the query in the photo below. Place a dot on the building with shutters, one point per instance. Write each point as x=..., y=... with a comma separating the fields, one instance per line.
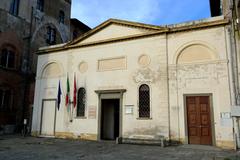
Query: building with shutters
x=139, y=83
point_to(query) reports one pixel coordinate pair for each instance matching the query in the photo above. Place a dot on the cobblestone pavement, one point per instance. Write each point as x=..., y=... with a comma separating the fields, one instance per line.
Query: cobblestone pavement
x=30, y=148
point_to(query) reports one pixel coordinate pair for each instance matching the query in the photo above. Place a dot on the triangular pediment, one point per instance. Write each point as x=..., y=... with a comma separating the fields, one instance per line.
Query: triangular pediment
x=115, y=29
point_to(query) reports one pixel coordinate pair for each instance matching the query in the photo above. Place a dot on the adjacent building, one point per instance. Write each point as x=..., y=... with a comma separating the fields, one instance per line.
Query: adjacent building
x=26, y=25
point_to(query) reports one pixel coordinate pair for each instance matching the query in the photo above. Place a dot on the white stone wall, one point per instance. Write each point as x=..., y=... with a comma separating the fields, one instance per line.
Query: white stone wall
x=209, y=77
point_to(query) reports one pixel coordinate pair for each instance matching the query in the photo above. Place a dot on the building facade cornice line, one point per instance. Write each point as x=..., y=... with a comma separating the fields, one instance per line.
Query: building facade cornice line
x=138, y=36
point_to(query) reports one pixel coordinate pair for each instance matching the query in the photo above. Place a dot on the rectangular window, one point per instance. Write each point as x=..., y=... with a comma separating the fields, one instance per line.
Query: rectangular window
x=11, y=59
x=3, y=62
x=14, y=7
x=40, y=5
x=5, y=100
x=51, y=35
x=61, y=17
x=7, y=59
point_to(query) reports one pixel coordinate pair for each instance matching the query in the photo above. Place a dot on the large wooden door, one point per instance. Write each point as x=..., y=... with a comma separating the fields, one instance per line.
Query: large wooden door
x=199, y=120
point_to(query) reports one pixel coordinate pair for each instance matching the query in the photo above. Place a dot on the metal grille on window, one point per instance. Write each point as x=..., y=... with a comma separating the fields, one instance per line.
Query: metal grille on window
x=144, y=101
x=81, y=102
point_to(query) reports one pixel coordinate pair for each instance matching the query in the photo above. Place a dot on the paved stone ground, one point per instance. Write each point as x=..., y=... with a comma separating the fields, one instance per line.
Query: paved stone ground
x=30, y=148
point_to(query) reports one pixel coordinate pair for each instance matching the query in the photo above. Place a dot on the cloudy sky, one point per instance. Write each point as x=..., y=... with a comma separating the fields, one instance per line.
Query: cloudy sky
x=157, y=12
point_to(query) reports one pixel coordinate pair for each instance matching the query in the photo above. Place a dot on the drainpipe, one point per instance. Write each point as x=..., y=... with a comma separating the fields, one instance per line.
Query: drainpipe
x=167, y=64
x=232, y=84
x=233, y=60
x=235, y=56
x=233, y=71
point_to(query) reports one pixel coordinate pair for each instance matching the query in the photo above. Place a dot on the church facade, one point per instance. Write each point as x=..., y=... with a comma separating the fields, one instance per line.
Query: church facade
x=139, y=82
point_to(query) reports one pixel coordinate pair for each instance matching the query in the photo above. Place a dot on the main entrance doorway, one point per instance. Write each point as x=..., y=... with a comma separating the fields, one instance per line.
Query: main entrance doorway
x=199, y=120
x=110, y=111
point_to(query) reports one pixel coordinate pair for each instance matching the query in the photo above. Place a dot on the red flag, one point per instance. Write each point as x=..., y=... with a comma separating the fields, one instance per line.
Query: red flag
x=74, y=92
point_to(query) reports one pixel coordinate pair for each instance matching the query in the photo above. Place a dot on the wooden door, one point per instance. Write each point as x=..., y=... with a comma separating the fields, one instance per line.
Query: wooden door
x=199, y=120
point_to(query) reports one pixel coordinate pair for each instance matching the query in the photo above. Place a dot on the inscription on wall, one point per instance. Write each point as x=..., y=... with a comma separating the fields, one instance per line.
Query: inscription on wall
x=92, y=113
x=118, y=63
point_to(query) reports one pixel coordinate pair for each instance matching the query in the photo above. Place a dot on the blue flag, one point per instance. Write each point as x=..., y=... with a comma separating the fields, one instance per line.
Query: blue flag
x=59, y=95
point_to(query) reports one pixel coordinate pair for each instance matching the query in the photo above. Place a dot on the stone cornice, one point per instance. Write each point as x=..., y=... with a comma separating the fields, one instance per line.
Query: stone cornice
x=160, y=31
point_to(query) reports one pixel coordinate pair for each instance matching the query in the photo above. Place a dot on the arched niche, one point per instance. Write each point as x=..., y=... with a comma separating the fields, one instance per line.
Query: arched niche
x=195, y=53
x=51, y=70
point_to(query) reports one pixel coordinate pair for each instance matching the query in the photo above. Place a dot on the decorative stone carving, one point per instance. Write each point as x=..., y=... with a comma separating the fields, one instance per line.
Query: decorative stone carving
x=144, y=60
x=144, y=75
x=83, y=67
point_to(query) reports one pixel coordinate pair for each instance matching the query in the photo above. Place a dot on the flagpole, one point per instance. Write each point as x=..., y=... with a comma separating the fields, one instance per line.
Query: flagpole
x=71, y=114
x=74, y=101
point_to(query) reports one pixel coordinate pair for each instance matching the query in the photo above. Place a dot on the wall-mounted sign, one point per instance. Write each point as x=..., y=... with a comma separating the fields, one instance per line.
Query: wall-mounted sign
x=225, y=119
x=129, y=109
x=225, y=115
x=92, y=112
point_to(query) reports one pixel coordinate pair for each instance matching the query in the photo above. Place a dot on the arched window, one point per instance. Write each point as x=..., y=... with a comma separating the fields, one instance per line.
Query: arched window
x=61, y=17
x=81, y=102
x=144, y=101
x=7, y=57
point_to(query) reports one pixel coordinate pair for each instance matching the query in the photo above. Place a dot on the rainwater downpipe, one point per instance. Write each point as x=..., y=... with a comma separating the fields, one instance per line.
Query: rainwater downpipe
x=234, y=65
x=168, y=91
x=232, y=84
x=232, y=76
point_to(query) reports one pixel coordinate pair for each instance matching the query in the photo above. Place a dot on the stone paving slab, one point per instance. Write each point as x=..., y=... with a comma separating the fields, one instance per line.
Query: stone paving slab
x=31, y=148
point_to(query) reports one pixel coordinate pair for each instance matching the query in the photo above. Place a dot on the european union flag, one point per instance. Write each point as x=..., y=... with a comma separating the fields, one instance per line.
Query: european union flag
x=59, y=95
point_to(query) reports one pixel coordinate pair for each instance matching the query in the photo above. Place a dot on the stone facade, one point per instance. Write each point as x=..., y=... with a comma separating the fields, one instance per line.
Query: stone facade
x=114, y=60
x=24, y=27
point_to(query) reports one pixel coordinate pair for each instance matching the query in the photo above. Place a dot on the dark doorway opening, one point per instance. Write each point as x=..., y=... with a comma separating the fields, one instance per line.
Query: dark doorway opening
x=110, y=119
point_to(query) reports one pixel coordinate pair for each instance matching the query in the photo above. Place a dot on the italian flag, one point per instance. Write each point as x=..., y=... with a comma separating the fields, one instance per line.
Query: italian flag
x=67, y=93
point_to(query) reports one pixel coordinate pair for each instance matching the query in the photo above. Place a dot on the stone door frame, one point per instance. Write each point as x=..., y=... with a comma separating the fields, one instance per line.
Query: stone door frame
x=110, y=94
